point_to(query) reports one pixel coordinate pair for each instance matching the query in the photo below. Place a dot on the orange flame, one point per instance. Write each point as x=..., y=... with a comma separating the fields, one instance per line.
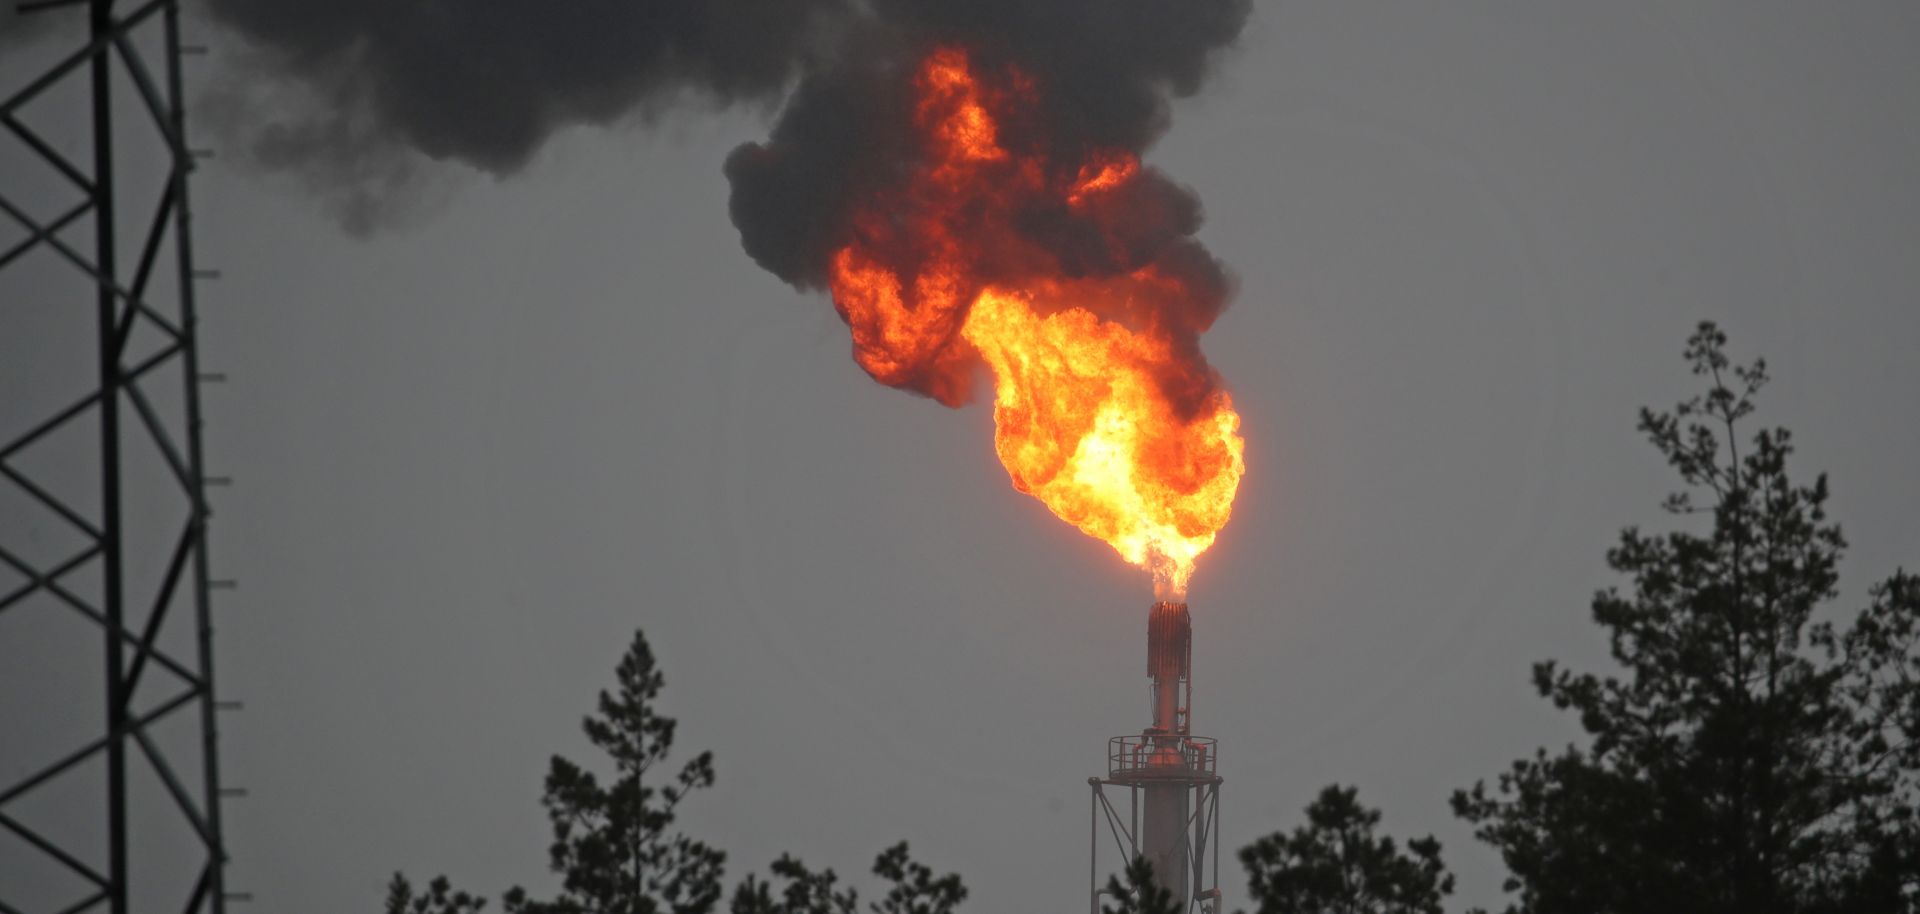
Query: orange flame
x=1082, y=415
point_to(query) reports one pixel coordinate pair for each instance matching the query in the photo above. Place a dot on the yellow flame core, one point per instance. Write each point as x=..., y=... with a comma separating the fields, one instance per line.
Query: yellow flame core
x=1080, y=424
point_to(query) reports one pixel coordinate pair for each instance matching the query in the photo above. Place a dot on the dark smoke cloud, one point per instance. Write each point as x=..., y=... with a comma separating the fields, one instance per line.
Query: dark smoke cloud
x=1105, y=71
x=1108, y=65
x=359, y=98
x=356, y=97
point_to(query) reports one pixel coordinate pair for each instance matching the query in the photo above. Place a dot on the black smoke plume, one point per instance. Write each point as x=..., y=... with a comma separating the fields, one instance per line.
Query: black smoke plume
x=1103, y=73
x=358, y=97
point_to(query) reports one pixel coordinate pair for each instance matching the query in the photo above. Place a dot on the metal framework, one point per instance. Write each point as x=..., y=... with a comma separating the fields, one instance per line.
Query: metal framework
x=147, y=773
x=1171, y=819
x=1123, y=825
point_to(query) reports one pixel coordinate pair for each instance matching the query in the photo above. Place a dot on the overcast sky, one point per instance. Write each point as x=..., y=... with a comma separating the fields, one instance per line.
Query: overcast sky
x=474, y=454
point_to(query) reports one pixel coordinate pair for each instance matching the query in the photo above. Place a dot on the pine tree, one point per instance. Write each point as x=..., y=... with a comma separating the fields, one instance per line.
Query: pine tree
x=1336, y=864
x=616, y=854
x=1750, y=758
x=912, y=889
x=1141, y=893
x=611, y=844
x=440, y=898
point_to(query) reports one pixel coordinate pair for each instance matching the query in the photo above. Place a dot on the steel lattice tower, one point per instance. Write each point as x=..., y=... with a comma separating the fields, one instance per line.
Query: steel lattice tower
x=110, y=792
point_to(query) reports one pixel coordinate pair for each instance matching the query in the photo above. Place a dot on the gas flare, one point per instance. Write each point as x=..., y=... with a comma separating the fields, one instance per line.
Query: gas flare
x=1104, y=409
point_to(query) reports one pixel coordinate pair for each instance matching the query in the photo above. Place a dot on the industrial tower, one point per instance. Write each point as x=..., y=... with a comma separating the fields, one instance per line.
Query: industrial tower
x=1164, y=779
x=109, y=777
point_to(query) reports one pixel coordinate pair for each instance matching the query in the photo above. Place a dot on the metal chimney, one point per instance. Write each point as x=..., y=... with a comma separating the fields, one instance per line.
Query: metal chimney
x=1172, y=794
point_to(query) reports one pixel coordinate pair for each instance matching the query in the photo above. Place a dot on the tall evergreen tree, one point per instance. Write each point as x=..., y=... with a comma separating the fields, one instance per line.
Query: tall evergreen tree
x=1749, y=758
x=1140, y=893
x=614, y=849
x=439, y=898
x=1337, y=864
x=911, y=889
x=801, y=891
x=611, y=843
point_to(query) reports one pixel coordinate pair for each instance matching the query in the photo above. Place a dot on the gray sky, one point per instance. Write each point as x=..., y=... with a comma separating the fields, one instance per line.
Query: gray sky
x=474, y=455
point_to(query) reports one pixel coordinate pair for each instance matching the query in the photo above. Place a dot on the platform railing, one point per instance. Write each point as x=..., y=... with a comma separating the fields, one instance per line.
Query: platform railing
x=1161, y=755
